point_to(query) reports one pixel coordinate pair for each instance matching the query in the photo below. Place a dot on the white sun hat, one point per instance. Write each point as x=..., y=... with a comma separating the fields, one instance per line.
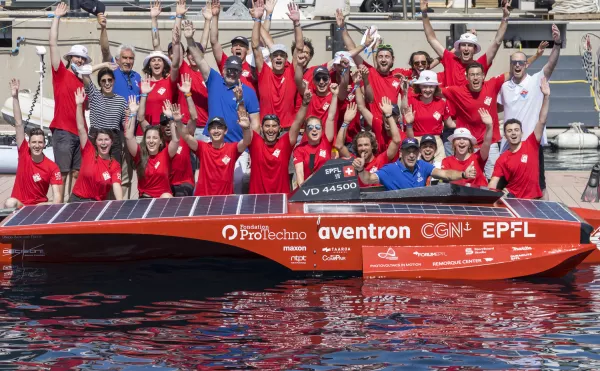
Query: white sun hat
x=79, y=51
x=427, y=77
x=468, y=38
x=155, y=54
x=463, y=133
x=337, y=59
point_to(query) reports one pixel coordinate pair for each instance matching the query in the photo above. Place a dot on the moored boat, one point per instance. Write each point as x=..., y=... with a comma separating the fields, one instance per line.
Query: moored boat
x=328, y=224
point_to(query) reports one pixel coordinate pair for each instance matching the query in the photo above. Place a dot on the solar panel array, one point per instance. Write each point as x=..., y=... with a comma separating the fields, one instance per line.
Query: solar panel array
x=150, y=209
x=389, y=208
x=540, y=210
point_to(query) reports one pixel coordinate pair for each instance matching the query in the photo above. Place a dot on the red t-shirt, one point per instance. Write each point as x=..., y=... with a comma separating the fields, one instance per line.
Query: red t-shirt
x=310, y=84
x=455, y=70
x=199, y=95
x=277, y=94
x=466, y=105
x=163, y=89
x=383, y=86
x=270, y=165
x=156, y=175
x=247, y=76
x=181, y=165
x=383, y=140
x=96, y=175
x=430, y=117
x=321, y=151
x=354, y=126
x=452, y=163
x=42, y=174
x=377, y=163
x=216, y=169
x=521, y=169
x=319, y=107
x=64, y=86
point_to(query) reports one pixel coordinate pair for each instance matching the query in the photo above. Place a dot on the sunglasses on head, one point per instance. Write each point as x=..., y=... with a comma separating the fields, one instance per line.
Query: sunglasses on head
x=311, y=127
x=324, y=78
x=270, y=117
x=384, y=47
x=518, y=63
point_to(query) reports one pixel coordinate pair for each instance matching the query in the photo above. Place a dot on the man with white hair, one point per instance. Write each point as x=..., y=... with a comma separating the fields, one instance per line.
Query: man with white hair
x=466, y=48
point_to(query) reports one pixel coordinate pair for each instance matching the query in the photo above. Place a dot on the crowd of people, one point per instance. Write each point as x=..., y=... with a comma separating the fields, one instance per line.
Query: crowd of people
x=264, y=119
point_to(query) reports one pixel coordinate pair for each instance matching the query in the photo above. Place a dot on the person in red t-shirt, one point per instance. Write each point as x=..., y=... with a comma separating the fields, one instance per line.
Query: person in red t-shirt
x=100, y=172
x=217, y=158
x=152, y=157
x=364, y=143
x=35, y=172
x=466, y=48
x=464, y=144
x=309, y=156
x=519, y=165
x=419, y=61
x=273, y=151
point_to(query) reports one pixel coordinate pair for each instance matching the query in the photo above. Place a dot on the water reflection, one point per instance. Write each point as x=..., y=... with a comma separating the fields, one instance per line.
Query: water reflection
x=570, y=159
x=252, y=315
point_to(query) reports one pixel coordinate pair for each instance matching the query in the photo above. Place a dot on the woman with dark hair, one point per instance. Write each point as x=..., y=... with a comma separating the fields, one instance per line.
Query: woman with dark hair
x=35, y=172
x=107, y=109
x=100, y=172
x=152, y=157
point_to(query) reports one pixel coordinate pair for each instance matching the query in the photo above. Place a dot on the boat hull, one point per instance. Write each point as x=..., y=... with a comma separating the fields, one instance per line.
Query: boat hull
x=592, y=217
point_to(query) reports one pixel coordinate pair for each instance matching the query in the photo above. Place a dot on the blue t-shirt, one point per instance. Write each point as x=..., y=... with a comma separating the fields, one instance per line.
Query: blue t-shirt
x=397, y=176
x=221, y=102
x=126, y=84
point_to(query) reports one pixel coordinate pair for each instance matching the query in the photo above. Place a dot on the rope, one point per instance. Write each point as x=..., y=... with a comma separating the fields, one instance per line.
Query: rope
x=575, y=6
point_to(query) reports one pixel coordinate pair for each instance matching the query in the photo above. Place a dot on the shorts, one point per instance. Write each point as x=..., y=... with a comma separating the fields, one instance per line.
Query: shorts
x=74, y=198
x=67, y=150
x=182, y=190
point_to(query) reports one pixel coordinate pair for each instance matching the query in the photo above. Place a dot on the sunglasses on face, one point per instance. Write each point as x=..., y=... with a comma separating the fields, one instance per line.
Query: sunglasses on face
x=106, y=81
x=232, y=71
x=313, y=127
x=518, y=63
x=420, y=63
x=323, y=78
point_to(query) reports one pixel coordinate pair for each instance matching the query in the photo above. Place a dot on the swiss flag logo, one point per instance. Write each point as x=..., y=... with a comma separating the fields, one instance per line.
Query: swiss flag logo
x=348, y=171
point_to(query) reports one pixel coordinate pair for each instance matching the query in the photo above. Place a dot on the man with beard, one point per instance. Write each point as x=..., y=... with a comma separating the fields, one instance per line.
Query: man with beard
x=519, y=165
x=522, y=97
x=468, y=99
x=466, y=48
x=223, y=103
x=408, y=171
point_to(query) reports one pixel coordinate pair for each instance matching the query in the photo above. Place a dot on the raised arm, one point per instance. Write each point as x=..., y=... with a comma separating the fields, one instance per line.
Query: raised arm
x=368, y=89
x=269, y=8
x=541, y=124
x=341, y=136
x=14, y=85
x=357, y=49
x=553, y=59
x=130, y=141
x=359, y=97
x=257, y=12
x=330, y=123
x=60, y=11
x=294, y=15
x=176, y=62
x=409, y=119
x=186, y=88
x=155, y=10
x=340, y=20
x=299, y=120
x=145, y=88
x=538, y=53
x=486, y=118
x=365, y=176
x=79, y=100
x=386, y=108
x=217, y=48
x=495, y=45
x=188, y=33
x=299, y=73
x=175, y=120
x=104, y=46
x=429, y=32
x=244, y=121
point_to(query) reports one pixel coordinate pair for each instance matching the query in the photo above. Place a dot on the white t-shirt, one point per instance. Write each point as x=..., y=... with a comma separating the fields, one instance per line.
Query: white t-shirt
x=523, y=102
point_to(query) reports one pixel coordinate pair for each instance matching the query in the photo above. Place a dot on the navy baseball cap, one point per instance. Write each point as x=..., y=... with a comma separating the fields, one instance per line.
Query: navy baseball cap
x=410, y=143
x=217, y=120
x=242, y=40
x=395, y=110
x=320, y=71
x=234, y=62
x=428, y=139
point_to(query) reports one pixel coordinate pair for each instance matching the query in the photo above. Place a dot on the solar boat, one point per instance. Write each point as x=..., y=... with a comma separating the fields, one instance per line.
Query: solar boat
x=328, y=224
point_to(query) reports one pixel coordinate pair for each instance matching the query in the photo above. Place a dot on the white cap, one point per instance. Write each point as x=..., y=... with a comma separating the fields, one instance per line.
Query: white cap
x=155, y=54
x=463, y=133
x=266, y=57
x=337, y=59
x=278, y=47
x=427, y=77
x=468, y=38
x=79, y=51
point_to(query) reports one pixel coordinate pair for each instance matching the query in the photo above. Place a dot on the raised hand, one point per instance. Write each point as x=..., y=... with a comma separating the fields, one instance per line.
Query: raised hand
x=340, y=19
x=473, y=31
x=207, y=11
x=302, y=60
x=186, y=84
x=335, y=89
x=258, y=9
x=155, y=9
x=351, y=111
x=543, y=45
x=176, y=36
x=181, y=8
x=215, y=7
x=359, y=162
x=369, y=39
x=293, y=12
x=188, y=29
x=424, y=5
x=146, y=86
x=356, y=76
x=101, y=18
x=243, y=119
x=545, y=87
x=386, y=106
x=61, y=9
x=133, y=105
x=270, y=6
x=556, y=34
x=505, y=8
x=177, y=115
x=14, y=85
x=167, y=108
x=364, y=72
x=409, y=115
x=307, y=97
x=113, y=66
x=238, y=92
x=80, y=96
x=471, y=173
x=486, y=118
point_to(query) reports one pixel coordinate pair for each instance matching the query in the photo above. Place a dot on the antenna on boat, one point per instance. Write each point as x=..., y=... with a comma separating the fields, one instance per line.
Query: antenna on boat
x=40, y=51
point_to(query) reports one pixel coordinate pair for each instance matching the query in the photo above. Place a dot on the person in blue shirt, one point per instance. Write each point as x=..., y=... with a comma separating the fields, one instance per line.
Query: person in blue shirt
x=222, y=101
x=408, y=171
